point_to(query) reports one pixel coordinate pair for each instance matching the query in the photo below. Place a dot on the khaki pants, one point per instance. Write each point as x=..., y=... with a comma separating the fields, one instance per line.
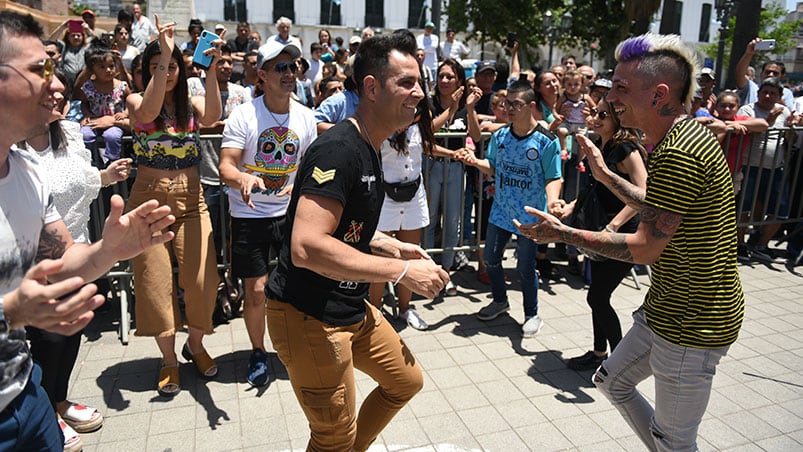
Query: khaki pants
x=157, y=310
x=320, y=361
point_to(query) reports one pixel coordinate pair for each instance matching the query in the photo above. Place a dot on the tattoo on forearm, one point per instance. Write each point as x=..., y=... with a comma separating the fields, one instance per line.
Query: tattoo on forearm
x=51, y=245
x=630, y=194
x=608, y=244
x=662, y=224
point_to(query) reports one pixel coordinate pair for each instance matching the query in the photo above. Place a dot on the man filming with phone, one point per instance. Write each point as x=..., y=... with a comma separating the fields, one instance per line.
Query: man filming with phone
x=748, y=89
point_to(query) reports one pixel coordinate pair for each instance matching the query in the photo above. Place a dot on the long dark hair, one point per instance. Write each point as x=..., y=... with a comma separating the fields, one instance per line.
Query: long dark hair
x=623, y=134
x=424, y=122
x=460, y=73
x=181, y=97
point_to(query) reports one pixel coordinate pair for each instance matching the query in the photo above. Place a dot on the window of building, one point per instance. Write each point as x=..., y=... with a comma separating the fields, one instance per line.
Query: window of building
x=671, y=17
x=330, y=12
x=235, y=11
x=284, y=8
x=375, y=13
x=415, y=13
x=705, y=23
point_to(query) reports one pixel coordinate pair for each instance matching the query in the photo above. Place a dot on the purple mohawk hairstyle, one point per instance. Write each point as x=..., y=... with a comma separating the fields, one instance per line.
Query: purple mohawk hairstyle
x=634, y=48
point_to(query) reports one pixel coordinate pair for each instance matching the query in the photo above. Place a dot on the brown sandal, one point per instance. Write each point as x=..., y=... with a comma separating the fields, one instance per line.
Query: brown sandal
x=168, y=384
x=203, y=362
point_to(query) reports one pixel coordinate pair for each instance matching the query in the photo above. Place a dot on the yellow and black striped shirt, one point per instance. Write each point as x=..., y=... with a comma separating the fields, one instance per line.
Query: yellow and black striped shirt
x=696, y=297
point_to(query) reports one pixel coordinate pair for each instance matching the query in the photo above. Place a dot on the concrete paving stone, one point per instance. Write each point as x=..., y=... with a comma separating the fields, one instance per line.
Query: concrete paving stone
x=750, y=447
x=463, y=444
x=772, y=390
x=464, y=397
x=530, y=390
x=280, y=446
x=484, y=371
x=794, y=406
x=764, y=366
x=466, y=354
x=264, y=431
x=210, y=440
x=581, y=431
x=179, y=441
x=719, y=405
x=448, y=377
x=797, y=436
x=504, y=441
x=520, y=413
x=779, y=418
x=779, y=444
x=297, y=427
x=215, y=415
x=607, y=446
x=289, y=403
x=499, y=391
x=429, y=404
x=719, y=434
x=543, y=437
x=556, y=406
x=513, y=366
x=172, y=420
x=124, y=427
x=402, y=434
x=753, y=423
x=435, y=359
x=612, y=423
x=631, y=443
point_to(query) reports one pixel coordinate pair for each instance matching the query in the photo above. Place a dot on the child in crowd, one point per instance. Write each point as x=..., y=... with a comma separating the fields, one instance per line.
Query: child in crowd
x=573, y=102
x=103, y=102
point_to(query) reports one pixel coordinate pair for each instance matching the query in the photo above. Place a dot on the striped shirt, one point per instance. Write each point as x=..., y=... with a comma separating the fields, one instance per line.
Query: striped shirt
x=696, y=297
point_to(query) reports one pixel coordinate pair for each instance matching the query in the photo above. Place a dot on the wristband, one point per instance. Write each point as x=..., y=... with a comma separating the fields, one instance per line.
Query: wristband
x=403, y=273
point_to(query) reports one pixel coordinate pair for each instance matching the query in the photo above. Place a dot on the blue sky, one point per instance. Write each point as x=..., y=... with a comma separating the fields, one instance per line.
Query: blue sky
x=791, y=5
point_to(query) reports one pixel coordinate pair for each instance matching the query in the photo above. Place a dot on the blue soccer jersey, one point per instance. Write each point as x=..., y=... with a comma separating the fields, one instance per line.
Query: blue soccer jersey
x=522, y=166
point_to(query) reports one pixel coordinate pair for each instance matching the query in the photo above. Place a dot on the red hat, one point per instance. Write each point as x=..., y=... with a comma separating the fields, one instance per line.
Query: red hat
x=88, y=11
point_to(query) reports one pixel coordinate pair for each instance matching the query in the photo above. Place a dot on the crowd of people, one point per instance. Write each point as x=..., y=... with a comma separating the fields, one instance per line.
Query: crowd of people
x=334, y=183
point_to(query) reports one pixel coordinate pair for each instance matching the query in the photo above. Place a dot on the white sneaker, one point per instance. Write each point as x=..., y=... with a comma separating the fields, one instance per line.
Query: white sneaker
x=415, y=320
x=450, y=290
x=531, y=326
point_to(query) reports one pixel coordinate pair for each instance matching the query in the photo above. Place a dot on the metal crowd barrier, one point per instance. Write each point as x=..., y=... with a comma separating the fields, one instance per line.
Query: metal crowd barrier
x=788, y=169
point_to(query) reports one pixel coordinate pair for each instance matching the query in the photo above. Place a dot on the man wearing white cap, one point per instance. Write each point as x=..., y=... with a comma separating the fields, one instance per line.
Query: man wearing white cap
x=263, y=143
x=430, y=43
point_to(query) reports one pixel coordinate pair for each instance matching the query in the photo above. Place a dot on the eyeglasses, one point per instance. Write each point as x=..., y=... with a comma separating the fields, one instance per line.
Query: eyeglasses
x=286, y=66
x=515, y=106
x=44, y=68
x=600, y=114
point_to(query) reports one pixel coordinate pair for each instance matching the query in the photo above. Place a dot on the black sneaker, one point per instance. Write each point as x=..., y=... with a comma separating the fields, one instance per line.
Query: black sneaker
x=258, y=368
x=588, y=361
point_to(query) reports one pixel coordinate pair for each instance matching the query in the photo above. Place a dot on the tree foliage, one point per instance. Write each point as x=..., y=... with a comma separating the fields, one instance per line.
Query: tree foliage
x=599, y=24
x=771, y=26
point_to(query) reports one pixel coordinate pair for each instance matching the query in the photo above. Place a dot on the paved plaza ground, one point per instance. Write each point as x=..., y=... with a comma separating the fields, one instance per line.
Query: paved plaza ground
x=486, y=388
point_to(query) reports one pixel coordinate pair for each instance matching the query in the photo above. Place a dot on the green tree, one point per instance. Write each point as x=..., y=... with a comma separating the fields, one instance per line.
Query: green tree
x=597, y=22
x=771, y=25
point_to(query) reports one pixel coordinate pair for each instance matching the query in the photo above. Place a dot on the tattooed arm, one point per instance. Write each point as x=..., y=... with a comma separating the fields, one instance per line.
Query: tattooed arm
x=313, y=246
x=642, y=247
x=630, y=194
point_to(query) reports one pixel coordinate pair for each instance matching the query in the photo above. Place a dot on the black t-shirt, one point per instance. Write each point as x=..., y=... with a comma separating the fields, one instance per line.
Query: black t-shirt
x=457, y=124
x=611, y=204
x=341, y=165
x=483, y=106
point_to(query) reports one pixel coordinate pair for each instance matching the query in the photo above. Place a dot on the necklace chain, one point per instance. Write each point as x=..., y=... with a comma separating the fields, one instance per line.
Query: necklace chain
x=364, y=131
x=281, y=123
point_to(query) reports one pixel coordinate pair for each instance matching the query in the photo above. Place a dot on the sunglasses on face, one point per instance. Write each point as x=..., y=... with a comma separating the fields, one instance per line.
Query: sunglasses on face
x=44, y=68
x=286, y=66
x=600, y=114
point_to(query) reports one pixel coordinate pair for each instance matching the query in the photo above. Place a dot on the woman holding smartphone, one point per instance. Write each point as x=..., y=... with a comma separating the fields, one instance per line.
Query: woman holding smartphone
x=165, y=120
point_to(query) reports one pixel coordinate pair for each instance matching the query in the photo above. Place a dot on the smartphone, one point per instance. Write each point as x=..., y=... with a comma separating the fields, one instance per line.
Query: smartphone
x=511, y=39
x=204, y=43
x=107, y=39
x=765, y=44
x=75, y=26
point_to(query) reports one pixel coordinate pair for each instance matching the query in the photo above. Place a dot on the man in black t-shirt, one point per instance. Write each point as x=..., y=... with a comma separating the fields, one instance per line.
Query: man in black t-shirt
x=318, y=318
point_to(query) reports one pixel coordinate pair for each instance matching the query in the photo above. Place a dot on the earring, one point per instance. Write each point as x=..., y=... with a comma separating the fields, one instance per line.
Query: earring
x=654, y=103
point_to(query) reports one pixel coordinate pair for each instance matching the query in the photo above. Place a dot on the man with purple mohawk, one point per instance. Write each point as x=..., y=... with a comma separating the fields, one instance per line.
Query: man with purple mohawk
x=694, y=308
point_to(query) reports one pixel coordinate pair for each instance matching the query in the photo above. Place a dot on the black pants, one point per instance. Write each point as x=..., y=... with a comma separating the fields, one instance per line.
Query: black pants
x=605, y=278
x=56, y=355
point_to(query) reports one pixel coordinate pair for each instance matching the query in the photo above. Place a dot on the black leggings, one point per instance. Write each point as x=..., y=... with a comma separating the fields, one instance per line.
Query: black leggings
x=605, y=278
x=56, y=355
